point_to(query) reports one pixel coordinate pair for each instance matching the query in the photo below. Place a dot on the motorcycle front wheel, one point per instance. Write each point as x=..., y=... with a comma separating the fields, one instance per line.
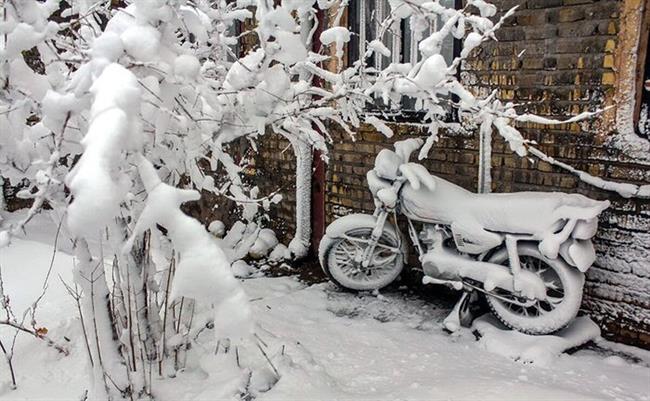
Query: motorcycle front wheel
x=340, y=254
x=564, y=286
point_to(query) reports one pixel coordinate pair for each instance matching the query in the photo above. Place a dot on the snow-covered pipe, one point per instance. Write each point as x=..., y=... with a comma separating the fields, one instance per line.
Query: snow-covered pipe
x=2, y=194
x=299, y=245
x=485, y=158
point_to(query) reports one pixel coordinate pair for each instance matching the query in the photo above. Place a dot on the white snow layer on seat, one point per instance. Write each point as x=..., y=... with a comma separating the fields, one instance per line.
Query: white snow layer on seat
x=540, y=214
x=520, y=212
x=418, y=176
x=541, y=350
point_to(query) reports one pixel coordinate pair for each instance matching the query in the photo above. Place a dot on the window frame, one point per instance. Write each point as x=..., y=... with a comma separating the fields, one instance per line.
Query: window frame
x=357, y=47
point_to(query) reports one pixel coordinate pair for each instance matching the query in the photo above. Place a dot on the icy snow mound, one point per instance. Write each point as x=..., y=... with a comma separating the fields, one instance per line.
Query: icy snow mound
x=540, y=350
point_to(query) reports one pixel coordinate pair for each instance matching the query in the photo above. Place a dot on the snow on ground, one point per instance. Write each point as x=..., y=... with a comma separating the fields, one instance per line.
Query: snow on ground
x=325, y=344
x=42, y=372
x=364, y=348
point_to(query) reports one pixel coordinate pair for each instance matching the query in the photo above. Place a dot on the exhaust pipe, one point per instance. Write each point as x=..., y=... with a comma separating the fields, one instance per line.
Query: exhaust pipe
x=444, y=264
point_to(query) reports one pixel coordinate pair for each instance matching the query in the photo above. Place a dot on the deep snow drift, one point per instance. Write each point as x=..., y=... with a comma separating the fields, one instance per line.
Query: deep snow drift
x=326, y=345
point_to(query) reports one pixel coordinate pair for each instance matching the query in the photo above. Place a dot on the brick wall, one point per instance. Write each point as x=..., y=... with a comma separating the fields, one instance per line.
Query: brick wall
x=453, y=158
x=569, y=66
x=558, y=57
x=275, y=169
x=271, y=167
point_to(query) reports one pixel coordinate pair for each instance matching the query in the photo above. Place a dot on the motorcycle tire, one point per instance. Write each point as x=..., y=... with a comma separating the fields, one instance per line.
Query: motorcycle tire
x=564, y=290
x=344, y=238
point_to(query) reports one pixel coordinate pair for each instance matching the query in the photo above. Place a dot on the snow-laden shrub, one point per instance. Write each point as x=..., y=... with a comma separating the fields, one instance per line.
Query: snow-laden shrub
x=117, y=110
x=249, y=240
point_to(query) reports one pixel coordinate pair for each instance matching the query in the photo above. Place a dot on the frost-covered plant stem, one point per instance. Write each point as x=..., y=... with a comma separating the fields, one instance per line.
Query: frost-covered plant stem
x=163, y=352
x=2, y=194
x=37, y=334
x=11, y=321
x=89, y=275
x=8, y=353
x=10, y=364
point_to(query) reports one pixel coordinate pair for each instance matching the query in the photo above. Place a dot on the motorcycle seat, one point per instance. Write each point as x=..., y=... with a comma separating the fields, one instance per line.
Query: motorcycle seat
x=533, y=213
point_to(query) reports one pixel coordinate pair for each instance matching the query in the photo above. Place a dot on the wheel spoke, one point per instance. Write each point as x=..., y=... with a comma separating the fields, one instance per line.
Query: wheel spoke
x=514, y=304
x=349, y=250
x=552, y=285
x=344, y=249
x=383, y=262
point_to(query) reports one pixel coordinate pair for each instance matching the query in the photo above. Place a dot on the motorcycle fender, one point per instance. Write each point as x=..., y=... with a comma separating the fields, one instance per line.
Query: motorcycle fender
x=342, y=225
x=585, y=229
x=346, y=223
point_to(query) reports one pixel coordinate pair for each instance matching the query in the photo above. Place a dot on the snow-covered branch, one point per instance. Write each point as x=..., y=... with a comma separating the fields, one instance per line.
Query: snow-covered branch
x=626, y=190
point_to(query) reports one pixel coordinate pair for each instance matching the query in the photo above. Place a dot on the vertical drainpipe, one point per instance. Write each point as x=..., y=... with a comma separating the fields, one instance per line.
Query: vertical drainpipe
x=485, y=158
x=299, y=245
x=318, y=167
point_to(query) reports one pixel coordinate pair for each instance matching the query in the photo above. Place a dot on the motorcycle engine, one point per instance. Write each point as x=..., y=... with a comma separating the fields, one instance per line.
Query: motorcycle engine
x=431, y=235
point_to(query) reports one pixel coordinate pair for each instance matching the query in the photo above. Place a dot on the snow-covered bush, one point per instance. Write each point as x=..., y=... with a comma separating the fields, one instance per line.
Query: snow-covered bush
x=108, y=110
x=248, y=239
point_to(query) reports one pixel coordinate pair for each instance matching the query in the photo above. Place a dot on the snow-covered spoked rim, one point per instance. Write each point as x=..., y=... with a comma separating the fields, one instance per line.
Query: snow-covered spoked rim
x=339, y=241
x=561, y=312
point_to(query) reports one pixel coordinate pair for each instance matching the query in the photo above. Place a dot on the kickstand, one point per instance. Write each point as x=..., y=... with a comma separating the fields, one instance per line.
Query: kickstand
x=460, y=315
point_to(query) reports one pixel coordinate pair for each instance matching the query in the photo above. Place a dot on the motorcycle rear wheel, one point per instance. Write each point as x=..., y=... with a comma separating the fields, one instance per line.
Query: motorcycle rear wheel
x=564, y=286
x=337, y=256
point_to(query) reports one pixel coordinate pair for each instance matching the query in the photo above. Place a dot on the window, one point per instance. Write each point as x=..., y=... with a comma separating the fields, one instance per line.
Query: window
x=410, y=40
x=366, y=17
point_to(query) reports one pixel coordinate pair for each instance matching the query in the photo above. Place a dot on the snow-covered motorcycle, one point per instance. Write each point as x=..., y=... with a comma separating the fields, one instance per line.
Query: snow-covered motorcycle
x=525, y=252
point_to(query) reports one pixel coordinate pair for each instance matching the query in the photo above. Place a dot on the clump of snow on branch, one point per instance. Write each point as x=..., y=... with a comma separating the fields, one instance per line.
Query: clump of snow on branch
x=113, y=130
x=203, y=272
x=338, y=35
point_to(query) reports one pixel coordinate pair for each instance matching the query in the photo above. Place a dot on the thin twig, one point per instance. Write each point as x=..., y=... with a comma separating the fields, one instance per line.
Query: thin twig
x=34, y=306
x=38, y=334
x=277, y=375
x=8, y=358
